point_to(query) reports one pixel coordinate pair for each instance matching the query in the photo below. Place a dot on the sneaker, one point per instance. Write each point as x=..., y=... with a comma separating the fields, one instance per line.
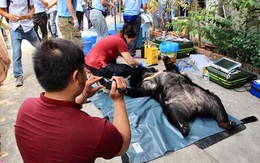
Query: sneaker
x=19, y=81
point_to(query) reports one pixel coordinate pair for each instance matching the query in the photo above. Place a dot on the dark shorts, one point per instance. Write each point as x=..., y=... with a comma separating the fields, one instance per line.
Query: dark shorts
x=112, y=69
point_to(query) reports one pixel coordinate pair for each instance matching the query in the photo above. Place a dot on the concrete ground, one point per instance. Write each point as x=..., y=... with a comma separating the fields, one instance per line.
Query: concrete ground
x=242, y=147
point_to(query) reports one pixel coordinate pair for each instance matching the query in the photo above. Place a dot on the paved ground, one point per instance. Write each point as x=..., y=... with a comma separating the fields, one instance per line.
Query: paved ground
x=242, y=147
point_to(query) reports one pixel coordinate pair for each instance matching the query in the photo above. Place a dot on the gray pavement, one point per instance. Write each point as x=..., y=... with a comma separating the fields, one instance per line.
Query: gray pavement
x=243, y=147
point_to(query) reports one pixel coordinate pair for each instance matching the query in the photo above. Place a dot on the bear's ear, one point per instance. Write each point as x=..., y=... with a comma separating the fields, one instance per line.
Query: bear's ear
x=166, y=59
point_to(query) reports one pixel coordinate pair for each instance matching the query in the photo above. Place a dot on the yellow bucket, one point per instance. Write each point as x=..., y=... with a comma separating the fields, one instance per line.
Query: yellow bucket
x=152, y=55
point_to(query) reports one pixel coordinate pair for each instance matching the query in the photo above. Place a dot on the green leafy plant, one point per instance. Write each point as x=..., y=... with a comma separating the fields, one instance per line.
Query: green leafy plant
x=237, y=35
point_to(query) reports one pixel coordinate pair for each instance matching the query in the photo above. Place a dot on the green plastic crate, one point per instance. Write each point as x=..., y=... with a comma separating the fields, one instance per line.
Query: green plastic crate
x=229, y=81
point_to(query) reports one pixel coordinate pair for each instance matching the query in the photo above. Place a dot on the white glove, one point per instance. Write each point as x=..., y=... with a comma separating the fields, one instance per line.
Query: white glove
x=76, y=24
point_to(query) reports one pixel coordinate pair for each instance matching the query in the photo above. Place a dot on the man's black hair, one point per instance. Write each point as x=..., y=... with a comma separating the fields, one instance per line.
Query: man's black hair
x=54, y=61
x=128, y=30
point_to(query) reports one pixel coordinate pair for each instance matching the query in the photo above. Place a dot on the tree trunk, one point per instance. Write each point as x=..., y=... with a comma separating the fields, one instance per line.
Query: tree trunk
x=220, y=7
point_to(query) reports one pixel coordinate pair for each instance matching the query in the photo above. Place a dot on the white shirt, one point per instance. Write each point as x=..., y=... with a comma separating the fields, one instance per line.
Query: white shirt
x=20, y=8
x=53, y=8
x=39, y=7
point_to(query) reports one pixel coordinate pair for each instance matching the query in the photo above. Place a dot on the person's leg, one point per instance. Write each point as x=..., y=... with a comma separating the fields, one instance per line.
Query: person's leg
x=36, y=24
x=132, y=46
x=48, y=24
x=119, y=69
x=80, y=19
x=53, y=26
x=68, y=32
x=43, y=25
x=99, y=23
x=87, y=14
x=16, y=40
x=112, y=69
x=31, y=36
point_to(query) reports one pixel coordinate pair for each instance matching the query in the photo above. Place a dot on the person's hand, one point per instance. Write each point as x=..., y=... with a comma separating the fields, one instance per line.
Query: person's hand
x=48, y=7
x=14, y=18
x=89, y=90
x=75, y=24
x=118, y=82
x=29, y=16
x=111, y=5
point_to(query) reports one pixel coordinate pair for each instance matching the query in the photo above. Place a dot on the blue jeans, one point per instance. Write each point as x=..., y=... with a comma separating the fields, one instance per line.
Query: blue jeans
x=17, y=36
x=99, y=23
x=52, y=24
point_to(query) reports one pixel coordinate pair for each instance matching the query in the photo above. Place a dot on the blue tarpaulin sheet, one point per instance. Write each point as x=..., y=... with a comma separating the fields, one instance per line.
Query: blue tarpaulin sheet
x=152, y=134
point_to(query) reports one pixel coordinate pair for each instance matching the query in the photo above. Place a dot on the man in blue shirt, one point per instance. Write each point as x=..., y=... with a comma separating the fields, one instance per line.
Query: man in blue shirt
x=68, y=22
x=80, y=14
x=98, y=17
x=131, y=15
x=21, y=27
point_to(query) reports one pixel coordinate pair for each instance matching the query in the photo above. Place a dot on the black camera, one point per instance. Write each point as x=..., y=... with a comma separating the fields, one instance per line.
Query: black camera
x=107, y=84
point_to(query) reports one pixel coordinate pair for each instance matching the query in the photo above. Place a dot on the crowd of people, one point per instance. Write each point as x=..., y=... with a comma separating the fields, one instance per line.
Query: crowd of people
x=52, y=127
x=27, y=17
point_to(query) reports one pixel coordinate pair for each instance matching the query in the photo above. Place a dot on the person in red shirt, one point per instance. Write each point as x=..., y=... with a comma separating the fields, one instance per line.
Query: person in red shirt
x=52, y=127
x=101, y=60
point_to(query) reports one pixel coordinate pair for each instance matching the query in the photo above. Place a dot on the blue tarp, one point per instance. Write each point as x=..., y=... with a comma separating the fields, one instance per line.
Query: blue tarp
x=152, y=134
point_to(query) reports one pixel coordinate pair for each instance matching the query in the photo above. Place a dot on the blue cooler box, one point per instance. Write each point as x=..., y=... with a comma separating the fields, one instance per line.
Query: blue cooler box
x=111, y=28
x=89, y=39
x=255, y=88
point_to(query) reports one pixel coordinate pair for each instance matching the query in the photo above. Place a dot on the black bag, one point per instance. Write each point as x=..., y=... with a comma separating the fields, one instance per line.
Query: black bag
x=130, y=18
x=104, y=13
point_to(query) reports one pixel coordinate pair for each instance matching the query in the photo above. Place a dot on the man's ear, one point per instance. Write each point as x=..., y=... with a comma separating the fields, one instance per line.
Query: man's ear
x=76, y=76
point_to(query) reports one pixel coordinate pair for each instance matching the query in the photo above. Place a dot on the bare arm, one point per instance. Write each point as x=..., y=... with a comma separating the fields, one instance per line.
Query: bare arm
x=30, y=13
x=52, y=4
x=129, y=60
x=45, y=3
x=121, y=121
x=145, y=8
x=12, y=17
x=71, y=9
x=106, y=3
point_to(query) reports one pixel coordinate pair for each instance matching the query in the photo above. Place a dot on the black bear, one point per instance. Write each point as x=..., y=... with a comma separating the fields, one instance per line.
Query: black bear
x=181, y=99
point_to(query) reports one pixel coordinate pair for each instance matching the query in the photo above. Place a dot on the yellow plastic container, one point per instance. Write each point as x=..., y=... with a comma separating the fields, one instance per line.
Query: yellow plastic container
x=145, y=50
x=152, y=55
